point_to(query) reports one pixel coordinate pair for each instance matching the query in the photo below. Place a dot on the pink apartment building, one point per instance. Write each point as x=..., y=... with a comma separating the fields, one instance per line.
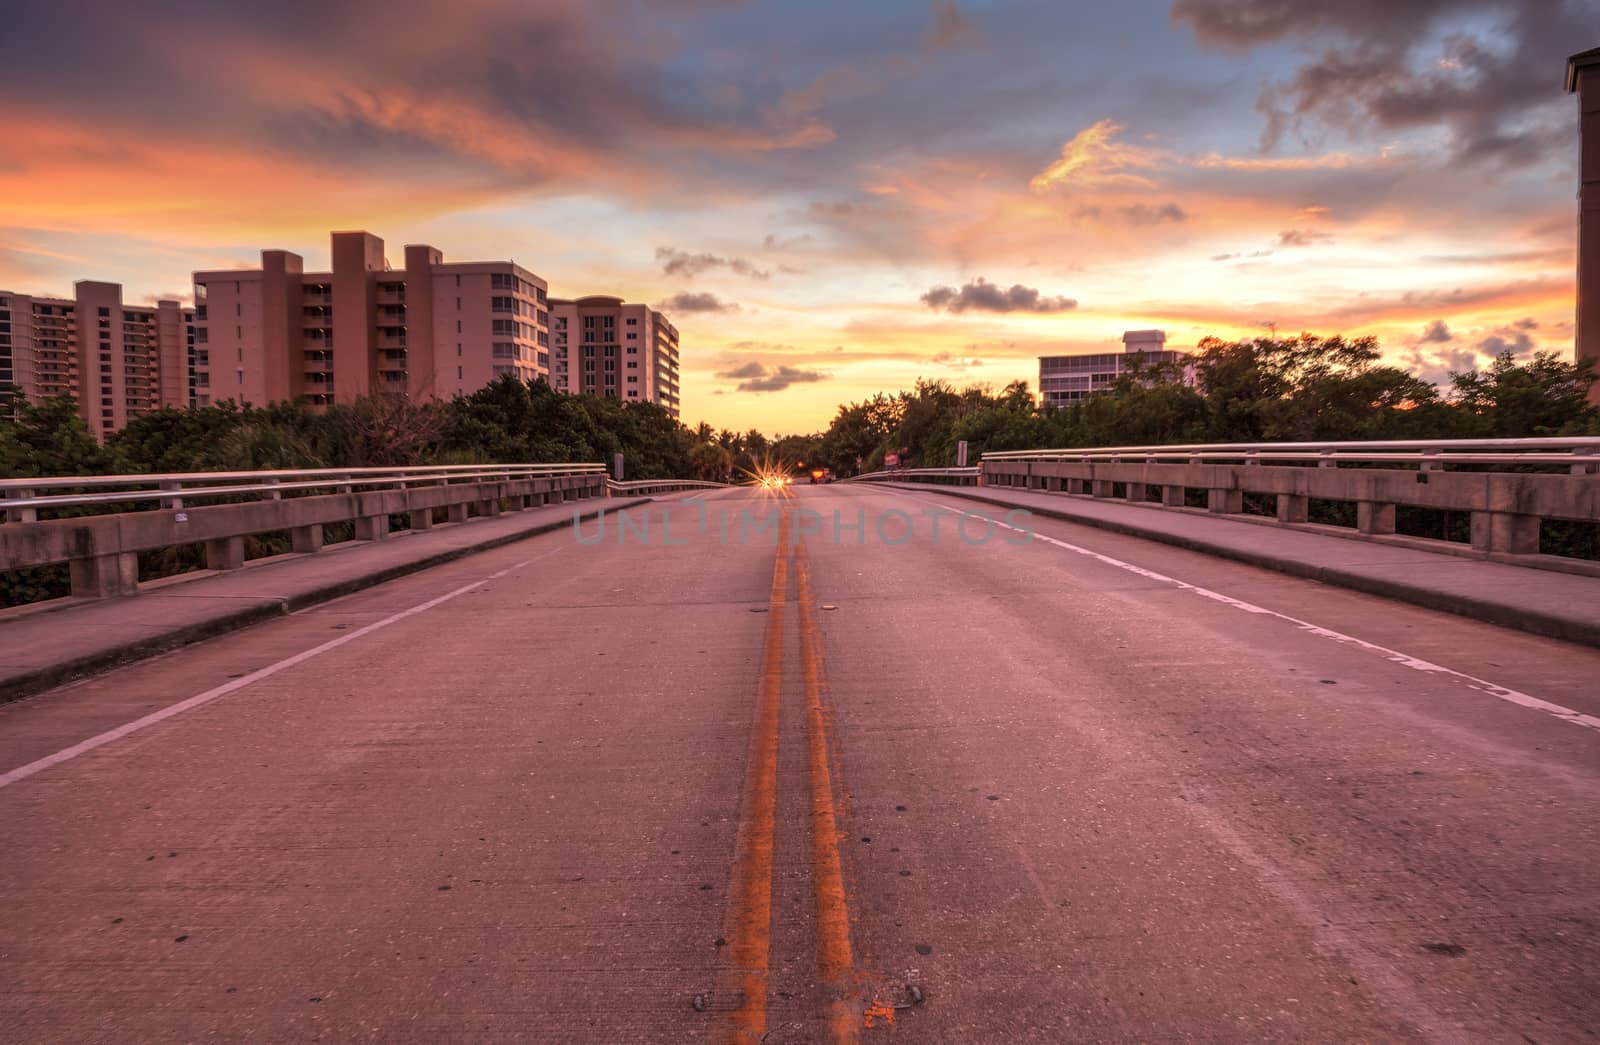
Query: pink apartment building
x=607, y=348
x=430, y=330
x=116, y=360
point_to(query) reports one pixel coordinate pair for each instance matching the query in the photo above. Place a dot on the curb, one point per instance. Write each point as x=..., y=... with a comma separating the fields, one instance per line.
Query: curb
x=19, y=687
x=1499, y=613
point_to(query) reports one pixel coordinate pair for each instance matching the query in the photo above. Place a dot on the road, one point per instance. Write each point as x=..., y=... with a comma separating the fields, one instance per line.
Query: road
x=1067, y=785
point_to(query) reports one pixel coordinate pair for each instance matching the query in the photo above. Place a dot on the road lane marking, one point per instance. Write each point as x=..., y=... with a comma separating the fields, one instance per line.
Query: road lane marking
x=748, y=922
x=1493, y=689
x=835, y=962
x=86, y=746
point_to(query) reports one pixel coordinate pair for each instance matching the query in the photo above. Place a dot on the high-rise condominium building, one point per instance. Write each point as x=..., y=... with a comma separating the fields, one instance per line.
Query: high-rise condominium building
x=607, y=348
x=1067, y=379
x=429, y=330
x=117, y=361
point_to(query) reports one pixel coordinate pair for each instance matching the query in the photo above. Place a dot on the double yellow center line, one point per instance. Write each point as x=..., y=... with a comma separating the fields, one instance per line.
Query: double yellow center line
x=749, y=914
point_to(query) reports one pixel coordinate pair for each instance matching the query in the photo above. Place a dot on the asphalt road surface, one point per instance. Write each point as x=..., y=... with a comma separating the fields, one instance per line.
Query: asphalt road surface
x=857, y=780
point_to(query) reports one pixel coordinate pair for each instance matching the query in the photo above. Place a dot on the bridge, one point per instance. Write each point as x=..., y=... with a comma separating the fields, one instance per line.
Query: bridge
x=1224, y=743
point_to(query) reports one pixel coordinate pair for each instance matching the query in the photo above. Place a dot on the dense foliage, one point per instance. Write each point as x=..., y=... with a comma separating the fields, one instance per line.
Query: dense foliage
x=1266, y=390
x=506, y=421
x=1305, y=388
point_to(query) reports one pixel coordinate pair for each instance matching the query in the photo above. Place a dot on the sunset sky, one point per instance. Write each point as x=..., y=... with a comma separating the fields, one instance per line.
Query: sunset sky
x=832, y=199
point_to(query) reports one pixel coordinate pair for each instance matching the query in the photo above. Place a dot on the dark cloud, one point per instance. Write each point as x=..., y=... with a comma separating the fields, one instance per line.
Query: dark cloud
x=675, y=262
x=406, y=89
x=1148, y=214
x=744, y=371
x=1302, y=237
x=1514, y=339
x=983, y=296
x=950, y=28
x=1136, y=214
x=758, y=377
x=1437, y=332
x=689, y=301
x=1484, y=70
x=1437, y=365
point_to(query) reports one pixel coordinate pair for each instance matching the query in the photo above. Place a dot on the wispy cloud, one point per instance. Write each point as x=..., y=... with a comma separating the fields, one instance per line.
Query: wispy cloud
x=1094, y=158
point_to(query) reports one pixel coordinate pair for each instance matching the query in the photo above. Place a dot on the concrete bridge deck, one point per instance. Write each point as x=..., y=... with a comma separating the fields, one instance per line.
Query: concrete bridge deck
x=1085, y=787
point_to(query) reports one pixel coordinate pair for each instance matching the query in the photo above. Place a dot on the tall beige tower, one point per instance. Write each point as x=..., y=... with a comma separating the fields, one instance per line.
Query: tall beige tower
x=1583, y=79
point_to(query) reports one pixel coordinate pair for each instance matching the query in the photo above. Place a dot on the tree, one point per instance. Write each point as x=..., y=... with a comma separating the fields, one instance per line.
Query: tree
x=1545, y=396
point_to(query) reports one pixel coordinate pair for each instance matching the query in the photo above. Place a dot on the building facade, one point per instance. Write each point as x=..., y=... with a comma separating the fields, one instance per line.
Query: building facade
x=1067, y=379
x=430, y=330
x=117, y=361
x=602, y=346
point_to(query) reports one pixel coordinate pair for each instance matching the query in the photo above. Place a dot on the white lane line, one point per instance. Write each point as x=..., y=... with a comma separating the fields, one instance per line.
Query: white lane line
x=1494, y=689
x=84, y=747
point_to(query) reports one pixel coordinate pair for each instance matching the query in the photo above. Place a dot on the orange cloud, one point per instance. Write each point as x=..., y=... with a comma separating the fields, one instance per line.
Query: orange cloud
x=1094, y=159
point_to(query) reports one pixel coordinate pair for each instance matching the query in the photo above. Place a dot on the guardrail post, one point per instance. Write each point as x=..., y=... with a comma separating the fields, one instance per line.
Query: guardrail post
x=372, y=527
x=225, y=553
x=104, y=576
x=171, y=504
x=21, y=515
x=1138, y=492
x=1101, y=487
x=1374, y=517
x=1225, y=501
x=1172, y=496
x=1584, y=467
x=274, y=494
x=306, y=539
x=1294, y=508
x=1505, y=532
x=344, y=487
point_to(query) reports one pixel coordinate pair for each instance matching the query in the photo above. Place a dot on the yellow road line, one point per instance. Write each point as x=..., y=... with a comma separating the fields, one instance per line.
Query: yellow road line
x=748, y=925
x=835, y=962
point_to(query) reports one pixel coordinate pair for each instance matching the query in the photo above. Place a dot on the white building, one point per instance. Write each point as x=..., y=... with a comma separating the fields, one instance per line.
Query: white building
x=1067, y=379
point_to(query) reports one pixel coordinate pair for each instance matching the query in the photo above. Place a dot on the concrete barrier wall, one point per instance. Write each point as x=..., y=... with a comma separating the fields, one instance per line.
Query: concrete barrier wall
x=102, y=550
x=1506, y=507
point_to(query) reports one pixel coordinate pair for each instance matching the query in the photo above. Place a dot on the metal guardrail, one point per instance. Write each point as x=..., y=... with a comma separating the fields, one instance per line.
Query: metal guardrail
x=1509, y=487
x=219, y=510
x=660, y=485
x=944, y=476
x=22, y=498
x=1580, y=453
